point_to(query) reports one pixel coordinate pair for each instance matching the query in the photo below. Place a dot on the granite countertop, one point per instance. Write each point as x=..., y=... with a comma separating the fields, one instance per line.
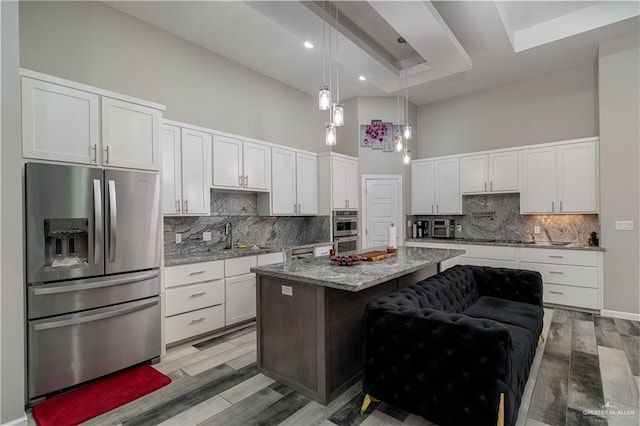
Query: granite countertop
x=221, y=254
x=507, y=243
x=321, y=271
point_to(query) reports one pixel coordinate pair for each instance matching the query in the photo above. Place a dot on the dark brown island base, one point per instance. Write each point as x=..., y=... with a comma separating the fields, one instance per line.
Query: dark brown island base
x=309, y=315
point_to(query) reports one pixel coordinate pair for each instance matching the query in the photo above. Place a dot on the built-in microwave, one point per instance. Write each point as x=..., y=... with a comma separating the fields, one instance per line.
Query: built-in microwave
x=345, y=223
x=442, y=228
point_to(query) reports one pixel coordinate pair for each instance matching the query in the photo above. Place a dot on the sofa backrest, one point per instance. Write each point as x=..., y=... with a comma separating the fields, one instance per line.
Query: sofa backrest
x=453, y=290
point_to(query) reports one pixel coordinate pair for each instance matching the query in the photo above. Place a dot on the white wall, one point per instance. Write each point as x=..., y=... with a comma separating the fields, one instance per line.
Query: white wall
x=12, y=333
x=556, y=106
x=92, y=43
x=619, y=96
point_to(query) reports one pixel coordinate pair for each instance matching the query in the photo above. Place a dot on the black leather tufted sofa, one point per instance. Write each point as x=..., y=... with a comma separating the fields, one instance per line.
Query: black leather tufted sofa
x=447, y=347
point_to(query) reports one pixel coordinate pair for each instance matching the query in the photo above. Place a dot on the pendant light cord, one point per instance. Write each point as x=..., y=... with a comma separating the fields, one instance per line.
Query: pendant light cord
x=337, y=56
x=324, y=47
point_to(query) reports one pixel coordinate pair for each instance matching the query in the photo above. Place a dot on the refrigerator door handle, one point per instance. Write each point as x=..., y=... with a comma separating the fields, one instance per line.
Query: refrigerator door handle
x=98, y=233
x=113, y=220
x=92, y=284
x=96, y=317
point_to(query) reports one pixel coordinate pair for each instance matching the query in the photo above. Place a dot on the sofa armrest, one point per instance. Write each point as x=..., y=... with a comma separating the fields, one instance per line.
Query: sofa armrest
x=446, y=364
x=519, y=285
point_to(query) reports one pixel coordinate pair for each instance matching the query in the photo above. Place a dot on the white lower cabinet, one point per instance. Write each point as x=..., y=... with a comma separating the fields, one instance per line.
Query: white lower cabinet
x=322, y=250
x=190, y=324
x=496, y=256
x=241, y=298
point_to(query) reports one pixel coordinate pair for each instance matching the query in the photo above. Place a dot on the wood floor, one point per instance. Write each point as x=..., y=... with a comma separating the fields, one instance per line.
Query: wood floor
x=586, y=372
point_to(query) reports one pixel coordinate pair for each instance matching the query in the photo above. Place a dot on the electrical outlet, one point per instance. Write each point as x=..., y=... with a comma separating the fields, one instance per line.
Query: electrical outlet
x=536, y=229
x=206, y=236
x=287, y=290
x=178, y=238
x=624, y=225
x=458, y=228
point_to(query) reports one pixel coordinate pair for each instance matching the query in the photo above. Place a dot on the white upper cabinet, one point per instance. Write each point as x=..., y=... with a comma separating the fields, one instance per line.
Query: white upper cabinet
x=447, y=186
x=186, y=171
x=59, y=123
x=344, y=183
x=423, y=197
x=72, y=122
x=487, y=173
x=435, y=186
x=560, y=178
x=241, y=164
x=130, y=135
x=294, y=183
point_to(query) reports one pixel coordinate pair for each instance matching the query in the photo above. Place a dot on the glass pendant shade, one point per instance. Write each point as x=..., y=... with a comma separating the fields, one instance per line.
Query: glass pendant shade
x=330, y=135
x=406, y=131
x=338, y=114
x=406, y=157
x=324, y=98
x=397, y=142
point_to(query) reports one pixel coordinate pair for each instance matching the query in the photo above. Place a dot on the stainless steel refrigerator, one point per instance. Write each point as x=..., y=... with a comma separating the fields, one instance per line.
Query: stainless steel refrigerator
x=93, y=279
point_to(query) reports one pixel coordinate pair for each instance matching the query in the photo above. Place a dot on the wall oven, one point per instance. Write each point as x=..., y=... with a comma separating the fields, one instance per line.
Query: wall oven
x=342, y=244
x=345, y=223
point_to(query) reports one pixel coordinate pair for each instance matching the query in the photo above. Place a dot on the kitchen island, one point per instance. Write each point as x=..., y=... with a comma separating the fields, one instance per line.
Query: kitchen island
x=309, y=315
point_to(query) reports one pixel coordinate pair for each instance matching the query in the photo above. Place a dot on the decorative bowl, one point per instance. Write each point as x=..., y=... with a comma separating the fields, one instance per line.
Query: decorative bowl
x=346, y=260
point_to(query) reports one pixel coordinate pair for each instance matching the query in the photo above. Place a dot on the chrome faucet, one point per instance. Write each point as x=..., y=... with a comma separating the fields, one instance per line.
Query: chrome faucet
x=228, y=231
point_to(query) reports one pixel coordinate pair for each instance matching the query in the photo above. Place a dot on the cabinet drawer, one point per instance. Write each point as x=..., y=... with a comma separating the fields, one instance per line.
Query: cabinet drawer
x=463, y=260
x=565, y=257
x=269, y=258
x=570, y=296
x=443, y=246
x=193, y=273
x=489, y=252
x=196, y=296
x=239, y=265
x=184, y=326
x=579, y=276
x=322, y=251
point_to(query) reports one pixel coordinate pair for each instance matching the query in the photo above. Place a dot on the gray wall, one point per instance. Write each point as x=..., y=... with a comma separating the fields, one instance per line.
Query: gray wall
x=619, y=91
x=12, y=334
x=92, y=43
x=556, y=106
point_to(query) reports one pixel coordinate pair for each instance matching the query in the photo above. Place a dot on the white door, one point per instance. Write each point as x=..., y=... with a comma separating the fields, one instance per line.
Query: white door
x=283, y=191
x=196, y=169
x=59, y=123
x=130, y=135
x=227, y=162
x=383, y=209
x=577, y=178
x=473, y=174
x=338, y=176
x=538, y=180
x=503, y=172
x=240, y=302
x=423, y=198
x=257, y=166
x=307, y=183
x=447, y=188
x=351, y=180
x=171, y=170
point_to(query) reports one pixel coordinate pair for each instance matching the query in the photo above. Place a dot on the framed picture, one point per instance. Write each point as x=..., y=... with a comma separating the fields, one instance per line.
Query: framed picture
x=375, y=134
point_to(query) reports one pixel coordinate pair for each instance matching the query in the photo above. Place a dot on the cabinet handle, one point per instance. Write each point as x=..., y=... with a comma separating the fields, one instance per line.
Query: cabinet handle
x=485, y=187
x=195, y=321
x=556, y=272
x=239, y=180
x=556, y=257
x=196, y=272
x=186, y=206
x=553, y=207
x=202, y=293
x=295, y=208
x=299, y=209
x=178, y=205
x=555, y=292
x=95, y=153
x=431, y=208
x=106, y=155
x=246, y=180
x=437, y=208
x=560, y=205
x=491, y=186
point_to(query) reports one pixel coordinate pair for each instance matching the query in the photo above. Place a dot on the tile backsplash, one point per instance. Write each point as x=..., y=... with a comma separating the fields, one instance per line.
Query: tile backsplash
x=497, y=216
x=241, y=210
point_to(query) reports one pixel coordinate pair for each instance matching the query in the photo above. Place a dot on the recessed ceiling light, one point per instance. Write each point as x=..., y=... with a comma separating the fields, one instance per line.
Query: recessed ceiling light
x=362, y=78
x=308, y=45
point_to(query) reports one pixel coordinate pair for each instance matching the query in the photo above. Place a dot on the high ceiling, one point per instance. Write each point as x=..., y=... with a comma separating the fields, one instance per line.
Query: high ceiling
x=453, y=47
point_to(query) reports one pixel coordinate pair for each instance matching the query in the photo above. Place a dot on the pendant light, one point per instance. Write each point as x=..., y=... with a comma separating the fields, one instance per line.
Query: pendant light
x=330, y=135
x=337, y=112
x=406, y=130
x=406, y=157
x=397, y=140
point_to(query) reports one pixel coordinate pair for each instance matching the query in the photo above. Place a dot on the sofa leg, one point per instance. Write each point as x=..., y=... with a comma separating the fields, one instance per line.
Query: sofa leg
x=501, y=411
x=365, y=404
x=542, y=337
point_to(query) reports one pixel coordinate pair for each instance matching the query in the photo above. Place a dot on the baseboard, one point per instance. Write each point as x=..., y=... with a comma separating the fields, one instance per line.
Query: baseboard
x=20, y=421
x=620, y=314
